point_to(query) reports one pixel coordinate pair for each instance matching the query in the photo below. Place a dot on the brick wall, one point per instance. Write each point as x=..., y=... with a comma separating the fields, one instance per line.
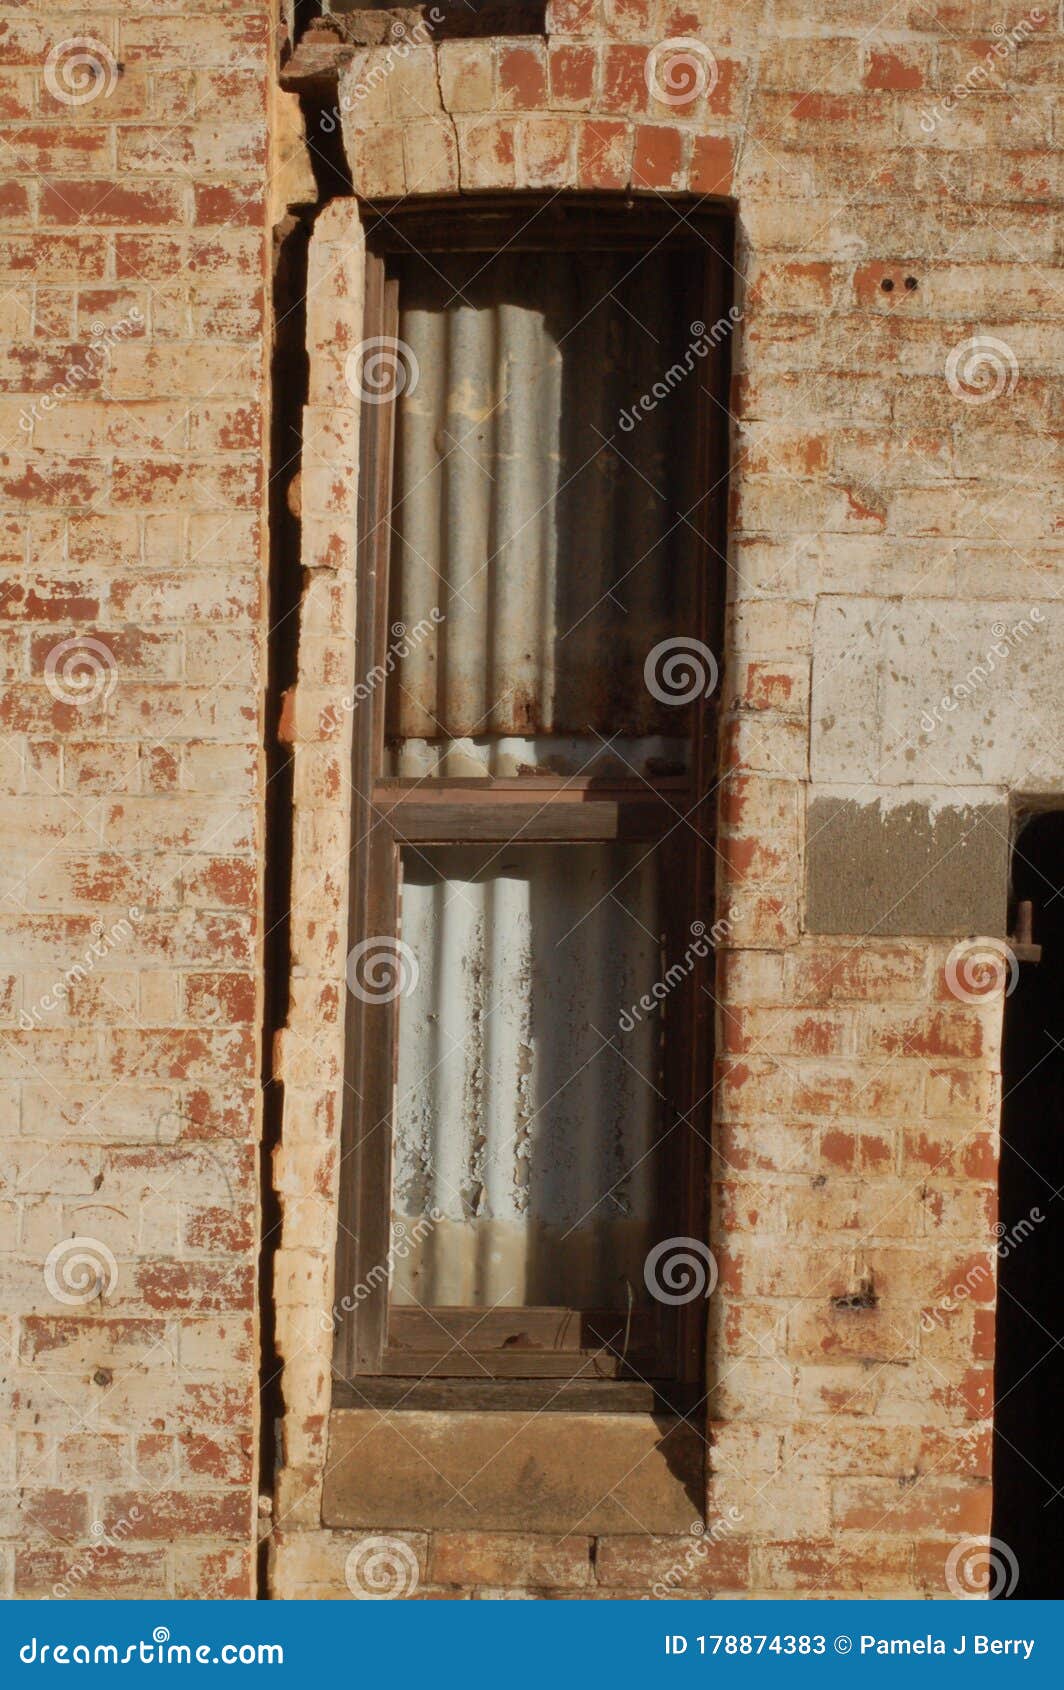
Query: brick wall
x=133, y=340
x=883, y=220
x=857, y=1095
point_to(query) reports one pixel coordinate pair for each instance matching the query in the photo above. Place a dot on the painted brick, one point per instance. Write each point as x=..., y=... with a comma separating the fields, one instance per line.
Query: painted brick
x=856, y=1100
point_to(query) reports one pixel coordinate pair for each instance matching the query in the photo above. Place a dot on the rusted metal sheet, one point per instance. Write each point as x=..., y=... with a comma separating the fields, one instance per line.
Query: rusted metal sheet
x=525, y=1110
x=537, y=546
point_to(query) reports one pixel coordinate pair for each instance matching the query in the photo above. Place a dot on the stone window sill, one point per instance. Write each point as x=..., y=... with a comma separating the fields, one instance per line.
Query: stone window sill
x=513, y=1471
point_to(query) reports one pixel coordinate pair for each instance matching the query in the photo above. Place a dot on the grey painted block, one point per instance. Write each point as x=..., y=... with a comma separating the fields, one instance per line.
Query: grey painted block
x=908, y=869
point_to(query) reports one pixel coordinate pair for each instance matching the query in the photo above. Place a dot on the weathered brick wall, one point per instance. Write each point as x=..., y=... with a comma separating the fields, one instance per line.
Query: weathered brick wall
x=857, y=1095
x=133, y=399
x=884, y=221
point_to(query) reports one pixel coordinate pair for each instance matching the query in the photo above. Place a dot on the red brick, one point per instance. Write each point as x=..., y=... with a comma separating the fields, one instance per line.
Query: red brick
x=942, y=1033
x=218, y=203
x=883, y=1505
x=220, y=997
x=522, y=79
x=501, y=1559
x=624, y=82
x=47, y=601
x=220, y=1230
x=227, y=1460
x=149, y=1515
x=81, y=257
x=574, y=17
x=572, y=77
x=658, y=158
x=98, y=1570
x=862, y=1564
x=893, y=70
x=110, y=204
x=197, y=1287
x=604, y=155
x=549, y=152
x=712, y=165
x=15, y=206
x=221, y=1573
x=696, y=1562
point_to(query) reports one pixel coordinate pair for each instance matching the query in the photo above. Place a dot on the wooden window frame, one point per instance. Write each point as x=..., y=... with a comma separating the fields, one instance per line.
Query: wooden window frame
x=538, y=1357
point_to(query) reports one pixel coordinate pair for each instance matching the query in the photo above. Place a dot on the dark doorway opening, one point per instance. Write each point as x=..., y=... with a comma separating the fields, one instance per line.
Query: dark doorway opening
x=1029, y=1368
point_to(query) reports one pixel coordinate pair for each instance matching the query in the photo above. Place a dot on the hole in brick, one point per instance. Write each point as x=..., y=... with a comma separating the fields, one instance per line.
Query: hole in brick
x=887, y=285
x=910, y=282
x=854, y=1301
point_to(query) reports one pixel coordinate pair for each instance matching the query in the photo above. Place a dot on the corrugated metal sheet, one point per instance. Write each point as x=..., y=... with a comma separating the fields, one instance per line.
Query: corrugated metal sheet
x=516, y=1119
x=544, y=532
x=507, y=757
